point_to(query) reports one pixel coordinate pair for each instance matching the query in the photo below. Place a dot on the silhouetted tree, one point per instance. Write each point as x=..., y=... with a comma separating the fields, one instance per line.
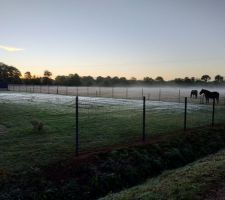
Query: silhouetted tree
x=179, y=80
x=133, y=80
x=192, y=79
x=27, y=75
x=205, y=78
x=74, y=79
x=27, y=78
x=159, y=79
x=47, y=77
x=187, y=80
x=107, y=81
x=99, y=80
x=123, y=81
x=9, y=74
x=36, y=80
x=47, y=74
x=218, y=78
x=61, y=80
x=115, y=80
x=148, y=80
x=87, y=80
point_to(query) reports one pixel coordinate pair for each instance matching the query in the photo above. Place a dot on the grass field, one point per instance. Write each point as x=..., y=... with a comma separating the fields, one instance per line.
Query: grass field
x=153, y=93
x=191, y=182
x=103, y=123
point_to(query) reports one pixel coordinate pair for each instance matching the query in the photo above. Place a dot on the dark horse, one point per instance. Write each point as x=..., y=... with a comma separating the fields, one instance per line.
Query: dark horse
x=194, y=93
x=210, y=95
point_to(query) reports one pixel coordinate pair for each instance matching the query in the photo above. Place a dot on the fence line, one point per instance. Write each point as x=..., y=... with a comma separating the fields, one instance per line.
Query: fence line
x=152, y=94
x=146, y=113
x=94, y=121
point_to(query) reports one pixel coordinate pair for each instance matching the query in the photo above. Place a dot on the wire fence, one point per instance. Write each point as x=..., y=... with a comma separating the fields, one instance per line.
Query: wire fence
x=167, y=94
x=116, y=121
x=92, y=122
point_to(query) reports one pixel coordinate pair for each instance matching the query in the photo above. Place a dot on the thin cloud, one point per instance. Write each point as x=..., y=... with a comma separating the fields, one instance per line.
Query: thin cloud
x=11, y=49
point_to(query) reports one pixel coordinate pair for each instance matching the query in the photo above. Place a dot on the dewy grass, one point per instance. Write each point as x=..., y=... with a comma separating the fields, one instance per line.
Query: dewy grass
x=103, y=122
x=190, y=182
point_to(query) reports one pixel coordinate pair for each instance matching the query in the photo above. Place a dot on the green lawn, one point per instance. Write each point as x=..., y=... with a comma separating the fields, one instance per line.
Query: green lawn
x=103, y=122
x=191, y=182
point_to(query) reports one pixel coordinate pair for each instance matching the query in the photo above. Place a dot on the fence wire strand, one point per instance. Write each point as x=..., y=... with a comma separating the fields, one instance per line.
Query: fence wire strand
x=111, y=121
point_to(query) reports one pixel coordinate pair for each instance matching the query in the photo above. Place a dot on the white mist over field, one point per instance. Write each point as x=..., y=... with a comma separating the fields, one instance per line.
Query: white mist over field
x=58, y=101
x=165, y=93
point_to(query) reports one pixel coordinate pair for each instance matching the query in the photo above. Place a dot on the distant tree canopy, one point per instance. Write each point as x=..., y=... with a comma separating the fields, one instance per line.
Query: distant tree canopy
x=9, y=74
x=147, y=79
x=219, y=79
x=47, y=74
x=46, y=80
x=75, y=79
x=159, y=79
x=206, y=78
x=27, y=75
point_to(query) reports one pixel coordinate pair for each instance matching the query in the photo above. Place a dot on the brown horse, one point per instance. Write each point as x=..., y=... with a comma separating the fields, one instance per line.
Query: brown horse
x=210, y=95
x=194, y=93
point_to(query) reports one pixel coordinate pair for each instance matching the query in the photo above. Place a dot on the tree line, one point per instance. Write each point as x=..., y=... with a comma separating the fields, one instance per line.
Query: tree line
x=11, y=75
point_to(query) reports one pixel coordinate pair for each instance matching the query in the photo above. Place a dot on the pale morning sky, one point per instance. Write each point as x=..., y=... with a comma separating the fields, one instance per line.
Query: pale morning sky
x=171, y=38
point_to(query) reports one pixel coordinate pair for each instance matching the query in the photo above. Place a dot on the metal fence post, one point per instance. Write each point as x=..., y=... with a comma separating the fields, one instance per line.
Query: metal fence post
x=185, y=113
x=99, y=93
x=88, y=91
x=57, y=89
x=112, y=92
x=179, y=95
x=66, y=90
x=159, y=94
x=213, y=113
x=77, y=127
x=143, y=120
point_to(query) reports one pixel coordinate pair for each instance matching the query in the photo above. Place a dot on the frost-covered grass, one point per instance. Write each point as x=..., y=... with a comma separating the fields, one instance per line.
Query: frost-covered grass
x=103, y=122
x=163, y=93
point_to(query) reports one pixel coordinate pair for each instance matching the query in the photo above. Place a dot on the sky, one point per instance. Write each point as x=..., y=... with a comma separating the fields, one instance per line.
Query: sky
x=131, y=38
